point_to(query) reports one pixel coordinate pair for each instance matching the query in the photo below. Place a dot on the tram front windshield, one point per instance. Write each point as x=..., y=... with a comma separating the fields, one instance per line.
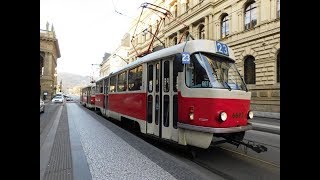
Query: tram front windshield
x=212, y=71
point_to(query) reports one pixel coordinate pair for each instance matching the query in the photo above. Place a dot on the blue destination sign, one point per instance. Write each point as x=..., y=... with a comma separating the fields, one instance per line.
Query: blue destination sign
x=185, y=58
x=222, y=48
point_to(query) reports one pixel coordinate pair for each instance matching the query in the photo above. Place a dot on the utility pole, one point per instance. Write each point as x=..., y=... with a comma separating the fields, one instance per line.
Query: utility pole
x=92, y=80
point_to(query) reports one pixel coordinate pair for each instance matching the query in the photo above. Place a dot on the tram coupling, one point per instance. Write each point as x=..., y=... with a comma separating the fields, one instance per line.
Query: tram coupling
x=250, y=144
x=256, y=147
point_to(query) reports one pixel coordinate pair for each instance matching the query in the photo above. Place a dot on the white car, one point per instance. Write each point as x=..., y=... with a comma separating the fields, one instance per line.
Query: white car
x=41, y=106
x=57, y=99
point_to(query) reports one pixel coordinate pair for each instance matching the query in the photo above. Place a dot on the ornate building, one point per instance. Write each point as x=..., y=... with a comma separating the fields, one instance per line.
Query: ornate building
x=250, y=27
x=49, y=53
x=112, y=62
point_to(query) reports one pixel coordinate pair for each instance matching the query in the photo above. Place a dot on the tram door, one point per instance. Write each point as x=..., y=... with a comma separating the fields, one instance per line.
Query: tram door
x=162, y=112
x=153, y=98
x=106, y=91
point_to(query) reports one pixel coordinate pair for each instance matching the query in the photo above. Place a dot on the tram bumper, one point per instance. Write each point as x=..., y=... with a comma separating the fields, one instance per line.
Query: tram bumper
x=215, y=130
x=202, y=137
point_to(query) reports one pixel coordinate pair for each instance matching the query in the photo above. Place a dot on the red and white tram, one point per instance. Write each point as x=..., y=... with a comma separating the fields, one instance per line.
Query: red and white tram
x=189, y=94
x=87, y=96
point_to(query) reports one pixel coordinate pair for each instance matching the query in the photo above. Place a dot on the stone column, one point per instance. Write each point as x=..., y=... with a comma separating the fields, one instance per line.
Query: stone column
x=273, y=9
x=206, y=28
x=179, y=7
x=258, y=11
x=230, y=23
x=218, y=30
x=240, y=20
x=191, y=30
x=210, y=27
x=167, y=42
x=47, y=64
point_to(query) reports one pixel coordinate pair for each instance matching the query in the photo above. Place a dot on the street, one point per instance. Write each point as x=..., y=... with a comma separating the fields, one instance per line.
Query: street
x=94, y=148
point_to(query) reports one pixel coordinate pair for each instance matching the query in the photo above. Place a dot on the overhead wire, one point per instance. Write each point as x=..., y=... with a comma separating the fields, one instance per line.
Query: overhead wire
x=177, y=19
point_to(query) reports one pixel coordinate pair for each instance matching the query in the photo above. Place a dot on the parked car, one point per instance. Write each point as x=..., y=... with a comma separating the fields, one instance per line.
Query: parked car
x=58, y=99
x=41, y=106
x=69, y=98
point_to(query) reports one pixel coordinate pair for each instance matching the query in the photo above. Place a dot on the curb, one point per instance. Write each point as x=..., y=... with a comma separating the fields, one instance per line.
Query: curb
x=266, y=128
x=266, y=114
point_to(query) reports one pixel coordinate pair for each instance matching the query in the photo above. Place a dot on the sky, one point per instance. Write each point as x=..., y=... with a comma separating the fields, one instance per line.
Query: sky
x=86, y=29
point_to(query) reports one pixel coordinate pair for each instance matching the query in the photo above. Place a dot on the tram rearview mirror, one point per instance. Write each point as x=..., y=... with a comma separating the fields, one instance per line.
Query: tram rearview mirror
x=178, y=63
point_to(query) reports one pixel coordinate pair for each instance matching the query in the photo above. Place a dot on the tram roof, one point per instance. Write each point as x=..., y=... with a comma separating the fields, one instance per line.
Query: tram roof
x=191, y=46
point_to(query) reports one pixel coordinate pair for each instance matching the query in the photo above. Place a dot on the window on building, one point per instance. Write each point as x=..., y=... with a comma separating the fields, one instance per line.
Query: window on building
x=249, y=70
x=185, y=5
x=201, y=32
x=250, y=16
x=175, y=41
x=41, y=64
x=175, y=11
x=278, y=8
x=224, y=26
x=278, y=67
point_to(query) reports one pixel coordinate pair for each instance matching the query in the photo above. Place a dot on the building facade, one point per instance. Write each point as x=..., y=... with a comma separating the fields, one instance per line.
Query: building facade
x=49, y=53
x=116, y=60
x=250, y=27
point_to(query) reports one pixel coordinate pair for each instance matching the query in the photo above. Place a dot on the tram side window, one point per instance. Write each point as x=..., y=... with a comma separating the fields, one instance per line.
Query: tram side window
x=112, y=84
x=175, y=77
x=150, y=78
x=166, y=77
x=166, y=111
x=106, y=83
x=99, y=87
x=93, y=90
x=157, y=77
x=122, y=82
x=135, y=79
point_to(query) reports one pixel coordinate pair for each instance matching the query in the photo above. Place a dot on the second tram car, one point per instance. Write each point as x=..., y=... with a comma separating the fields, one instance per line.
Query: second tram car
x=189, y=94
x=87, y=96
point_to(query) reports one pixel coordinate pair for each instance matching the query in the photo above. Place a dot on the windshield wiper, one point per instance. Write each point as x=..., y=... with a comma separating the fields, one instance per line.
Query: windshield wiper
x=228, y=86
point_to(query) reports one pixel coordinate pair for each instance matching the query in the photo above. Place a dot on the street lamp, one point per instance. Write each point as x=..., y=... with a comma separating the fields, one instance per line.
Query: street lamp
x=125, y=60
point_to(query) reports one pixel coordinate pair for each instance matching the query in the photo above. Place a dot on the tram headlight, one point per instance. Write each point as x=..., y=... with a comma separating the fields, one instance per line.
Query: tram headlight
x=191, y=116
x=191, y=113
x=223, y=116
x=250, y=114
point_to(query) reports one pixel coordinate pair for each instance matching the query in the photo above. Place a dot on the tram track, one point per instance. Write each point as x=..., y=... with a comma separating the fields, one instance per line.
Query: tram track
x=247, y=156
x=213, y=170
x=228, y=161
